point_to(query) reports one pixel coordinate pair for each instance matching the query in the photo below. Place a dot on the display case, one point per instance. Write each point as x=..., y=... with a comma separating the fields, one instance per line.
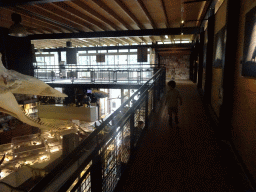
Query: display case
x=24, y=150
x=30, y=148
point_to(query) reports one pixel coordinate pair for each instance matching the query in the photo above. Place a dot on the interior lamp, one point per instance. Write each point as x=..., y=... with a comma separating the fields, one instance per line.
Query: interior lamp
x=17, y=30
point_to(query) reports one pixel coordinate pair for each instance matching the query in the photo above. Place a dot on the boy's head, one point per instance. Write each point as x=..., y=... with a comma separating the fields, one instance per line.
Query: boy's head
x=172, y=84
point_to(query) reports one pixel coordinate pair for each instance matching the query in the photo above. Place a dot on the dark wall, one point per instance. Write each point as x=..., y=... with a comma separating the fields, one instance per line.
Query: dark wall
x=17, y=53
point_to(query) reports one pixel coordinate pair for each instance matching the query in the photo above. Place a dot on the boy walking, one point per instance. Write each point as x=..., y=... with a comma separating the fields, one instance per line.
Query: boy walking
x=172, y=100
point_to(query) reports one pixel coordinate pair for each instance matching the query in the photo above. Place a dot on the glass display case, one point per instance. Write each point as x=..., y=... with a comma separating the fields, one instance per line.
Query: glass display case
x=24, y=150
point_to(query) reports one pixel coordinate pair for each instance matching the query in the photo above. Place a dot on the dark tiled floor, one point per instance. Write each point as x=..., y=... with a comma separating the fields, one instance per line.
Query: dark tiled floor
x=187, y=157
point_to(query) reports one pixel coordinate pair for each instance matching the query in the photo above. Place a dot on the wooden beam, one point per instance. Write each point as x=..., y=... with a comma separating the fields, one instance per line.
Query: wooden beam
x=13, y=3
x=129, y=13
x=132, y=17
x=78, y=16
x=145, y=11
x=61, y=16
x=107, y=9
x=38, y=14
x=126, y=33
x=165, y=14
x=84, y=8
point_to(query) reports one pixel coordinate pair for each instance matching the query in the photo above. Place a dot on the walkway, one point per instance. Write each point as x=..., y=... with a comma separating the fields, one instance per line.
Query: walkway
x=186, y=158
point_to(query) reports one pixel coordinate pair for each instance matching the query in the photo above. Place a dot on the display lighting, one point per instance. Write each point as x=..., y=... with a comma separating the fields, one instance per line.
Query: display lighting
x=54, y=150
x=43, y=158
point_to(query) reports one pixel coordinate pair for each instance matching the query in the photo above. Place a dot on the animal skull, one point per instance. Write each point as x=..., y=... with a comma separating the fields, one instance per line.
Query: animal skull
x=14, y=82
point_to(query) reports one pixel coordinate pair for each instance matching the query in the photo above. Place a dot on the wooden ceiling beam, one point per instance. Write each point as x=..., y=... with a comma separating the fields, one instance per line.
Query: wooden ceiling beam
x=48, y=10
x=77, y=15
x=112, y=41
x=129, y=13
x=107, y=9
x=103, y=41
x=13, y=3
x=144, y=9
x=88, y=43
x=125, y=33
x=32, y=12
x=84, y=8
x=126, y=40
x=165, y=14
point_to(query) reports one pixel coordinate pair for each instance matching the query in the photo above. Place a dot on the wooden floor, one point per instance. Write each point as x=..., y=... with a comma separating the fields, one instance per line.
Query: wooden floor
x=187, y=157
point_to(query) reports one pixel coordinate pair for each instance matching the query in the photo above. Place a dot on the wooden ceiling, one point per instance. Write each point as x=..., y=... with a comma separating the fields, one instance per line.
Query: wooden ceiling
x=51, y=17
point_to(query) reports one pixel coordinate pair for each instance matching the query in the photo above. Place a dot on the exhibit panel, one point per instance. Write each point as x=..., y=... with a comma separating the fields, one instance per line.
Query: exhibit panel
x=218, y=59
x=244, y=108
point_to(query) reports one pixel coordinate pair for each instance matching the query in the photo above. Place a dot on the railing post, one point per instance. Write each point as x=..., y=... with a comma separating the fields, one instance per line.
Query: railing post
x=146, y=111
x=154, y=97
x=132, y=133
x=159, y=82
x=96, y=174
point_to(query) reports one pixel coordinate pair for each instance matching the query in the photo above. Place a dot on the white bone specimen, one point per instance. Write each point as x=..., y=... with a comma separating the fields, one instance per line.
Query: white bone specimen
x=14, y=82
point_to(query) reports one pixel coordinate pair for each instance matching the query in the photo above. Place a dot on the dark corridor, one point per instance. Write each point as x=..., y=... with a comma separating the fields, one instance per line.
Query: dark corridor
x=187, y=157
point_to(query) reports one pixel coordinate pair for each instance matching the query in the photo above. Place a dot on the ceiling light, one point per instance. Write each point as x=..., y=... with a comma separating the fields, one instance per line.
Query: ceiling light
x=182, y=21
x=181, y=33
x=166, y=36
x=17, y=30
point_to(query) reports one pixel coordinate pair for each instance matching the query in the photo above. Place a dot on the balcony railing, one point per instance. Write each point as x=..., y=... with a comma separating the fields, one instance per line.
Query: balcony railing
x=137, y=74
x=98, y=162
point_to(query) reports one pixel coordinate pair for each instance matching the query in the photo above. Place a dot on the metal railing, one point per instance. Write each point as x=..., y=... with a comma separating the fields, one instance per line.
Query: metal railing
x=109, y=73
x=98, y=162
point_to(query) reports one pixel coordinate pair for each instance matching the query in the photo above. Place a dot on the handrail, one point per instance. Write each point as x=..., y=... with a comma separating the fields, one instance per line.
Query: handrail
x=79, y=151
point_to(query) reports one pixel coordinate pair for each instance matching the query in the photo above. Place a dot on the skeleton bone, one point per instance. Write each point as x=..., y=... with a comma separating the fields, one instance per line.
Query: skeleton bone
x=14, y=82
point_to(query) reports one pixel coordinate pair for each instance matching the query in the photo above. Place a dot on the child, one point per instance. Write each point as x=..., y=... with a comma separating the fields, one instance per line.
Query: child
x=172, y=101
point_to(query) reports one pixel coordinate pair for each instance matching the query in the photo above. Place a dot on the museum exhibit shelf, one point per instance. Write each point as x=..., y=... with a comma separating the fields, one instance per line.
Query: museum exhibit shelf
x=59, y=111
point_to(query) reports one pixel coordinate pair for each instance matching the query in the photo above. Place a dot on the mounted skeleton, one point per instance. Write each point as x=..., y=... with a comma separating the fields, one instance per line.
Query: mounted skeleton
x=14, y=82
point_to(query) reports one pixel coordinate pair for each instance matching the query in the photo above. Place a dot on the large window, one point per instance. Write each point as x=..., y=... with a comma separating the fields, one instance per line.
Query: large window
x=46, y=66
x=122, y=58
x=49, y=68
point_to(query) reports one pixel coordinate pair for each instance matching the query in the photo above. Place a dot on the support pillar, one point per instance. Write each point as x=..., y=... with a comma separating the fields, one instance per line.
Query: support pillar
x=231, y=58
x=209, y=59
x=201, y=60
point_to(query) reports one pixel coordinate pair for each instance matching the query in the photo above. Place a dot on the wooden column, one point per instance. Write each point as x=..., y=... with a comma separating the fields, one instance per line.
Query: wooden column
x=231, y=58
x=209, y=59
x=201, y=60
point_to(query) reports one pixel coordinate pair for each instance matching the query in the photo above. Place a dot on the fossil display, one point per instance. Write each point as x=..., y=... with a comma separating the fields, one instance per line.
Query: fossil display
x=13, y=82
